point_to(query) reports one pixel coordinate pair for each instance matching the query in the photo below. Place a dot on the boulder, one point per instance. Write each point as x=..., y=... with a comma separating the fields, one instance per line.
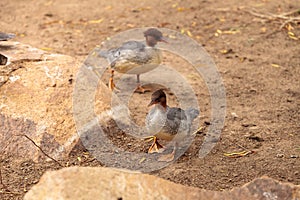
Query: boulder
x=110, y=183
x=36, y=90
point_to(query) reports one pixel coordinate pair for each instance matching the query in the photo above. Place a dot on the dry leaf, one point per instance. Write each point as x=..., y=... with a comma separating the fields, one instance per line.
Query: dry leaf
x=274, y=65
x=97, y=21
x=293, y=37
x=189, y=33
x=180, y=9
x=238, y=154
x=231, y=32
x=198, y=37
x=289, y=27
x=172, y=36
x=130, y=25
x=226, y=51
x=142, y=160
x=263, y=29
x=46, y=48
x=222, y=19
x=174, y=5
x=291, y=33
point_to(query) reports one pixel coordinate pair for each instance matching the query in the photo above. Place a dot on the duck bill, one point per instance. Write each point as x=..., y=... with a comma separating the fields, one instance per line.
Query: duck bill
x=151, y=103
x=164, y=39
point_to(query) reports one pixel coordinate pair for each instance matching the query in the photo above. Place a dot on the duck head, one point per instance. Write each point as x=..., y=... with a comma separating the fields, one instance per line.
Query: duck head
x=153, y=36
x=158, y=98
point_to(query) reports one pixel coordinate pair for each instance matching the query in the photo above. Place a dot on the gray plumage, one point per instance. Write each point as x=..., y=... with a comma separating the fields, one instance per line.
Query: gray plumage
x=164, y=121
x=131, y=51
x=6, y=36
x=136, y=57
x=170, y=120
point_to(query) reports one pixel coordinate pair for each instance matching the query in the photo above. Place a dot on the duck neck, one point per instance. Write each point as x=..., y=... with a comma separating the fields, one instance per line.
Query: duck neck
x=162, y=105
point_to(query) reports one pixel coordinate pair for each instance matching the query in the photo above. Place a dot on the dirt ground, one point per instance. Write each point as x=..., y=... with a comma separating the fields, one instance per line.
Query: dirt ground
x=258, y=61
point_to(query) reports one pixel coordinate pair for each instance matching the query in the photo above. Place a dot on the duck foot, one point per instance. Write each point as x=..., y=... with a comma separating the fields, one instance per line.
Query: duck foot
x=140, y=89
x=155, y=146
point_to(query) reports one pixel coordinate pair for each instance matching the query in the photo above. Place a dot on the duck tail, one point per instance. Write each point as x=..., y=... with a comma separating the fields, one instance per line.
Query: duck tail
x=103, y=54
x=192, y=113
x=6, y=36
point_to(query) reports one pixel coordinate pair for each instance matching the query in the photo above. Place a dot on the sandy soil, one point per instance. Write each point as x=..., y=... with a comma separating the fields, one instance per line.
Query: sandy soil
x=258, y=61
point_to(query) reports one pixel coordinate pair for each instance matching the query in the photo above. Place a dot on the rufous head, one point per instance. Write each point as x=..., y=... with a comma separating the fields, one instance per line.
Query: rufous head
x=153, y=36
x=158, y=97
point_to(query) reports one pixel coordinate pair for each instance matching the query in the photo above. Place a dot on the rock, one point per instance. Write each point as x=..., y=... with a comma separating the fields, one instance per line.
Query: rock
x=3, y=59
x=36, y=100
x=39, y=98
x=108, y=183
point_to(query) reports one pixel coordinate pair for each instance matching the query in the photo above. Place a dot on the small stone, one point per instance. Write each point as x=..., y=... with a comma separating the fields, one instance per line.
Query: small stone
x=234, y=115
x=280, y=155
x=294, y=156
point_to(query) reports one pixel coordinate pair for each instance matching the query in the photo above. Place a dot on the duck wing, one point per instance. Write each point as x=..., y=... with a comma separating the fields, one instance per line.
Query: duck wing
x=176, y=117
x=131, y=51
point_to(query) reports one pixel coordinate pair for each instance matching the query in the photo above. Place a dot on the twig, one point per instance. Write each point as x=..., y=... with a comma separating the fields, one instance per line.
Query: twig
x=283, y=16
x=1, y=182
x=41, y=149
x=292, y=12
x=241, y=146
x=259, y=15
x=9, y=192
x=285, y=23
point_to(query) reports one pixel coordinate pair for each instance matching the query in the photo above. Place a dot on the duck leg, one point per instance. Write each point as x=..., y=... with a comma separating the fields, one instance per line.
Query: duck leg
x=168, y=157
x=139, y=88
x=111, y=83
x=155, y=146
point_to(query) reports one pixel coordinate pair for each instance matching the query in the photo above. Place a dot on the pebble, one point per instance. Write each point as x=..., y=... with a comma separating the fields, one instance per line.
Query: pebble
x=280, y=155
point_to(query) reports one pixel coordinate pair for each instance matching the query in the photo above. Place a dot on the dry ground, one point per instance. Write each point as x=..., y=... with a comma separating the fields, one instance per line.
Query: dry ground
x=259, y=64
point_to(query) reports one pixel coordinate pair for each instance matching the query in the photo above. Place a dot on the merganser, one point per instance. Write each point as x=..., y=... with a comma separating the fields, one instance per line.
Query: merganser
x=6, y=36
x=135, y=57
x=167, y=123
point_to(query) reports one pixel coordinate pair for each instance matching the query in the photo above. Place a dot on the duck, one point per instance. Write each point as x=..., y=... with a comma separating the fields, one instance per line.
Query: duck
x=135, y=57
x=171, y=124
x=6, y=36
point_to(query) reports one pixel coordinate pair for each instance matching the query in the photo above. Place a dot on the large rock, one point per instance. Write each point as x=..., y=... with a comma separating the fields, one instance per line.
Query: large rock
x=107, y=183
x=36, y=99
x=40, y=101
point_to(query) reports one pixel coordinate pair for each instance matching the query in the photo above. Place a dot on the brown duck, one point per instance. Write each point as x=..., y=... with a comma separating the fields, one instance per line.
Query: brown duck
x=135, y=57
x=167, y=123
